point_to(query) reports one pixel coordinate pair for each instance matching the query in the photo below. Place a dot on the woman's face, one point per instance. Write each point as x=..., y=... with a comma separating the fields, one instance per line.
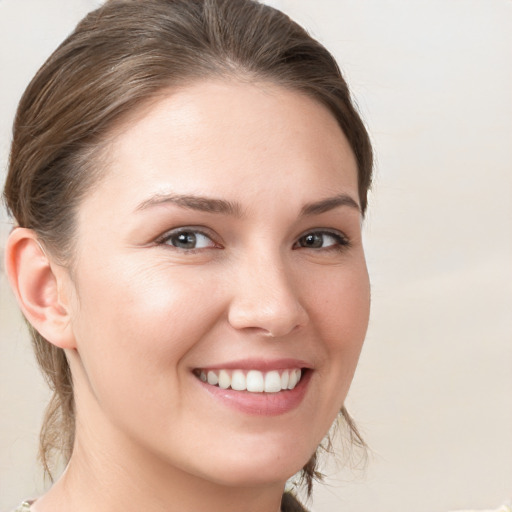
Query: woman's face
x=222, y=244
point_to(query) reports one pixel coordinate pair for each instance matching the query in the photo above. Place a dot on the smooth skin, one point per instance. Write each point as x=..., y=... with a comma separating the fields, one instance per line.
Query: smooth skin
x=163, y=283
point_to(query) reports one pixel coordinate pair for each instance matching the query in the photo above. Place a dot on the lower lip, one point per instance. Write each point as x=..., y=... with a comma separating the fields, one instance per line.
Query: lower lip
x=261, y=404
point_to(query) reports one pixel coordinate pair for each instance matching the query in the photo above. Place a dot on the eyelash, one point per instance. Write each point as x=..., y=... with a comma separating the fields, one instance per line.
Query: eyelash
x=168, y=236
x=341, y=241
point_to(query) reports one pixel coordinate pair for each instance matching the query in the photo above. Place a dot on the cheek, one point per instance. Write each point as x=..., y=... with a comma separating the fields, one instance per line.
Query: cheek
x=135, y=301
x=144, y=321
x=340, y=307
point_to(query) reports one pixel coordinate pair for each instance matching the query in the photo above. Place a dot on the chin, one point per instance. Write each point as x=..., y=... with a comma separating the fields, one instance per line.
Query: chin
x=266, y=467
x=255, y=476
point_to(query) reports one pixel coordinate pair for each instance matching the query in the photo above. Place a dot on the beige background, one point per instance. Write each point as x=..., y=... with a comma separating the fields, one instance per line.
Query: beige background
x=433, y=394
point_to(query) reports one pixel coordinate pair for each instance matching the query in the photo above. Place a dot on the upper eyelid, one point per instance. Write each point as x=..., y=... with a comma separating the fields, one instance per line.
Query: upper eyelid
x=164, y=240
x=343, y=241
x=194, y=229
x=326, y=231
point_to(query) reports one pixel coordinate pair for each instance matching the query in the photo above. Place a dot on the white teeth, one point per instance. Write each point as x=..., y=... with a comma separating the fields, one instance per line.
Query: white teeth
x=284, y=379
x=212, y=378
x=272, y=382
x=253, y=381
x=238, y=382
x=292, y=381
x=224, y=379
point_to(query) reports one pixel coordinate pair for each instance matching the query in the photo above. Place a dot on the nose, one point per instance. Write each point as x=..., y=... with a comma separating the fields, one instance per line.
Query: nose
x=265, y=299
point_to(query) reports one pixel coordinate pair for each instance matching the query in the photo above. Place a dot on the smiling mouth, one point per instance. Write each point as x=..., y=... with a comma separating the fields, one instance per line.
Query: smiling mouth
x=253, y=381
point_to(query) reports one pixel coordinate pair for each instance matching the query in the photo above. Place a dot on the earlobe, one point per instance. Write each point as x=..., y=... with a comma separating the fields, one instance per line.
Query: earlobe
x=37, y=284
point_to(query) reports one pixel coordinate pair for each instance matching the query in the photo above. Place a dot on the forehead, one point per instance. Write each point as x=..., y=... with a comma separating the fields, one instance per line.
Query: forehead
x=225, y=138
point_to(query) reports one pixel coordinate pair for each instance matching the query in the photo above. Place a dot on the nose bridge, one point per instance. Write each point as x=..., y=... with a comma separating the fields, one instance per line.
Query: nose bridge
x=265, y=297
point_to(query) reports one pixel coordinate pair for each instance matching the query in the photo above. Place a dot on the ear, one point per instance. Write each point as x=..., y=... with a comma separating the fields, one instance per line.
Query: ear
x=39, y=287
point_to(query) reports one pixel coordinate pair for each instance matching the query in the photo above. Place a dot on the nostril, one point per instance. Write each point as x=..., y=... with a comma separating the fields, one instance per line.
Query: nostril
x=267, y=321
x=265, y=299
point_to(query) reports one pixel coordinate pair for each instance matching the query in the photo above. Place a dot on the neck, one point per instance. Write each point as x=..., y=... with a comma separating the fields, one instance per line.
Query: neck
x=108, y=473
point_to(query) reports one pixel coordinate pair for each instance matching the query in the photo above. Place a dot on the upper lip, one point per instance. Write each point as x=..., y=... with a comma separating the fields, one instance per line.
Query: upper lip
x=264, y=365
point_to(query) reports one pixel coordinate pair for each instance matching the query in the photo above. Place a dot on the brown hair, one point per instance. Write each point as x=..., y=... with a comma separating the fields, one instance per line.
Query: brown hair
x=118, y=57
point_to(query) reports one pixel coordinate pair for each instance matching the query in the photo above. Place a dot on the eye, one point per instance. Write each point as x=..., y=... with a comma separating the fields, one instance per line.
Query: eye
x=188, y=239
x=321, y=240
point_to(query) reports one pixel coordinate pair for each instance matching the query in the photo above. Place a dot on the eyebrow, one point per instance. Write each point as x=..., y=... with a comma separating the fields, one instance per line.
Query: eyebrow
x=325, y=205
x=193, y=202
x=212, y=205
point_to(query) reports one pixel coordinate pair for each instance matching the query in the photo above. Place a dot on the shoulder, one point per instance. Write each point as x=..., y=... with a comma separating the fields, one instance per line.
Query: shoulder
x=24, y=507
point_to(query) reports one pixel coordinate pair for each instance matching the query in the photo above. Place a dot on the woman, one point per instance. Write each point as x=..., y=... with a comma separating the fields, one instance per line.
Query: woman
x=188, y=180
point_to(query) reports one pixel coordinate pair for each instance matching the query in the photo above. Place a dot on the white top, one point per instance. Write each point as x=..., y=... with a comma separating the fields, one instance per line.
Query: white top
x=507, y=507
